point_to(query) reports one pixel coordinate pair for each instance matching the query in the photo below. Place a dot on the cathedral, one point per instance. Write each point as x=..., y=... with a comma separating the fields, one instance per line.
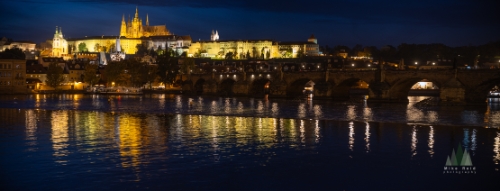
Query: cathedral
x=134, y=28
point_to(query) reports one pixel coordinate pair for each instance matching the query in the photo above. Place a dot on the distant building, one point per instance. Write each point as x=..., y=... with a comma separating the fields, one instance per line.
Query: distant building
x=134, y=33
x=134, y=28
x=12, y=76
x=214, y=36
x=23, y=45
x=59, y=44
x=254, y=49
x=36, y=75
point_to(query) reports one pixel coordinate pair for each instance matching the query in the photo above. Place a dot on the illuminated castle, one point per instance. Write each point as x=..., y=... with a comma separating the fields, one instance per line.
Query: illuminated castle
x=134, y=28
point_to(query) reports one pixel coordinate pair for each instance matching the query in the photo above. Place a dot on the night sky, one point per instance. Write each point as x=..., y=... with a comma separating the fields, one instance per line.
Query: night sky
x=333, y=22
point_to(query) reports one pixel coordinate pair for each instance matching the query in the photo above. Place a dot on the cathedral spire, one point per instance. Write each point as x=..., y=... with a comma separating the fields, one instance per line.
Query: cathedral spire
x=147, y=20
x=123, y=27
x=57, y=31
x=136, y=12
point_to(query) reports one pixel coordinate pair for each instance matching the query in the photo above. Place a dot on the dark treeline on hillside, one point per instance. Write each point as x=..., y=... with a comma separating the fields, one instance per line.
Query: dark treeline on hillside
x=489, y=52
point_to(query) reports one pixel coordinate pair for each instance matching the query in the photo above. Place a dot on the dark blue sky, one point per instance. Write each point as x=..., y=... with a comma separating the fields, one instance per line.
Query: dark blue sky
x=333, y=22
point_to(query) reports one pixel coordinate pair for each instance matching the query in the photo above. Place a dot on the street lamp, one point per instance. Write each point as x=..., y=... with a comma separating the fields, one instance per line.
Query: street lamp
x=416, y=63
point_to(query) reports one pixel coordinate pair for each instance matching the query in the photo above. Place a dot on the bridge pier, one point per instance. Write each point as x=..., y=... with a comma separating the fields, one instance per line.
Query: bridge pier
x=278, y=88
x=210, y=87
x=241, y=88
x=452, y=92
x=380, y=92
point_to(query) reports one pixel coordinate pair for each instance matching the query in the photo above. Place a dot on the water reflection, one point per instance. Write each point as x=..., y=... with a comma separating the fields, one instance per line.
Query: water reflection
x=367, y=137
x=414, y=141
x=145, y=143
x=60, y=137
x=496, y=149
x=351, y=136
x=414, y=111
x=31, y=127
x=430, y=142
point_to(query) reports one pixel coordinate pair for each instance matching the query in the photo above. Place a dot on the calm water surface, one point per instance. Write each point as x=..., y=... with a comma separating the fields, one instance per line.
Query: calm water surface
x=92, y=142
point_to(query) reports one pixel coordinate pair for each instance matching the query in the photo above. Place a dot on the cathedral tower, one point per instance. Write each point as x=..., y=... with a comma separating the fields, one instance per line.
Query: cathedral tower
x=123, y=29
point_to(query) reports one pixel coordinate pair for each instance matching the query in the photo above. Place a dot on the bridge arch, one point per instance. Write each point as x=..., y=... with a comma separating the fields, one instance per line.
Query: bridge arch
x=198, y=86
x=401, y=89
x=296, y=88
x=345, y=88
x=260, y=87
x=480, y=92
x=226, y=87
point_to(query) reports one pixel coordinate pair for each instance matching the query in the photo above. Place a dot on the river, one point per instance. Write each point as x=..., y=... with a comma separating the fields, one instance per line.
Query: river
x=162, y=141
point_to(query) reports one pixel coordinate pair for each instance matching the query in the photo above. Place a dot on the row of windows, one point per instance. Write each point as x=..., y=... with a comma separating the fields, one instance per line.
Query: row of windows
x=5, y=74
x=4, y=66
x=8, y=83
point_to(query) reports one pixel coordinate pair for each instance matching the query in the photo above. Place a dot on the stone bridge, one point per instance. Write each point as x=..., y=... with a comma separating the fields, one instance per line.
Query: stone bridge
x=383, y=85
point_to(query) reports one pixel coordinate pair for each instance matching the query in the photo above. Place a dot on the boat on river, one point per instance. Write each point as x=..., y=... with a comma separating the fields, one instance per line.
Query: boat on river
x=494, y=93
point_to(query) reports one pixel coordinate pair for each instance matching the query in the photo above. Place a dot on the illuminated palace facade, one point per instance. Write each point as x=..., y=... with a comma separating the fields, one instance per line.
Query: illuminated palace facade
x=133, y=32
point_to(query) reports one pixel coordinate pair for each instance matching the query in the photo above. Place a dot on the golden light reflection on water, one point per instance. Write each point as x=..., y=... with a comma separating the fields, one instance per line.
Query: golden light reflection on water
x=351, y=112
x=492, y=117
x=496, y=149
x=301, y=110
x=59, y=135
x=351, y=136
x=31, y=127
x=130, y=143
x=430, y=142
x=367, y=137
x=317, y=131
x=136, y=138
x=414, y=141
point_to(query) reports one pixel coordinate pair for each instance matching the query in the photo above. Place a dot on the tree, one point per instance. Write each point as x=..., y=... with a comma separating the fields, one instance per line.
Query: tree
x=229, y=56
x=14, y=53
x=160, y=51
x=141, y=49
x=167, y=68
x=90, y=74
x=136, y=71
x=268, y=54
x=96, y=47
x=55, y=75
x=112, y=47
x=151, y=74
x=116, y=72
x=248, y=54
x=187, y=65
x=341, y=49
x=254, y=52
x=82, y=47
